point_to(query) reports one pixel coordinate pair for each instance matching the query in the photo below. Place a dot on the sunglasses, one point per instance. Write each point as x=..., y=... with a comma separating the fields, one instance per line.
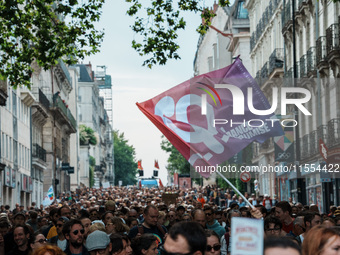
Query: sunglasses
x=162, y=251
x=59, y=225
x=75, y=232
x=41, y=241
x=208, y=214
x=216, y=247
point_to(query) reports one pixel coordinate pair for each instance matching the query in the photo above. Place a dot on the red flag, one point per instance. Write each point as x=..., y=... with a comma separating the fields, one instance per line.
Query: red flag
x=156, y=164
x=187, y=113
x=140, y=165
x=160, y=184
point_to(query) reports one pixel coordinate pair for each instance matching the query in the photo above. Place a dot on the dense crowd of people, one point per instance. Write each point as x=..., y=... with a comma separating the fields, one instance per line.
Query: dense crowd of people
x=131, y=221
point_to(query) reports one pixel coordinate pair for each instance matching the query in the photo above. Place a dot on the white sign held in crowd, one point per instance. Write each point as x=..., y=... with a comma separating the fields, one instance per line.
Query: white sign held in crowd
x=247, y=236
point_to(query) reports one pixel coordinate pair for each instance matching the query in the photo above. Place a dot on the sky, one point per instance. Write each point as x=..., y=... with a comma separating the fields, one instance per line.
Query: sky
x=131, y=82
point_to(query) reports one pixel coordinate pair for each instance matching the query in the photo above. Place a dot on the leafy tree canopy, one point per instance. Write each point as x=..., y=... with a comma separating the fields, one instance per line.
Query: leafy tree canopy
x=176, y=162
x=86, y=135
x=158, y=23
x=125, y=163
x=43, y=32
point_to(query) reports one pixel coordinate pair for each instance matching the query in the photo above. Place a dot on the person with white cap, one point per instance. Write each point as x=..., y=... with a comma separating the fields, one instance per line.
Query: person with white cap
x=98, y=242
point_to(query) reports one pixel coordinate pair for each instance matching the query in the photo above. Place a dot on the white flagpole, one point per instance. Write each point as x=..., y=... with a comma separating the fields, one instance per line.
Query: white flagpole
x=235, y=189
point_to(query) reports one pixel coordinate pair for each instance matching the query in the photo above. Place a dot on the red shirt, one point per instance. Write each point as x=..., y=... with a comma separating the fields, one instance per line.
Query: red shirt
x=288, y=228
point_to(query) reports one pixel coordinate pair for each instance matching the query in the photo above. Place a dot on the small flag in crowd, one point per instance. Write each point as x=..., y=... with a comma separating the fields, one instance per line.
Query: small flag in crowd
x=49, y=198
x=201, y=117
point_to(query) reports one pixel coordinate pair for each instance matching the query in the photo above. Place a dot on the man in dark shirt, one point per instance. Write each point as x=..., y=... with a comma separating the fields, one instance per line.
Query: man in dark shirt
x=21, y=235
x=74, y=231
x=149, y=225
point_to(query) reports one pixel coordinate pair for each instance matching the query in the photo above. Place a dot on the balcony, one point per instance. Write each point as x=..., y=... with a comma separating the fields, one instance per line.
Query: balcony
x=63, y=114
x=322, y=133
x=63, y=75
x=303, y=66
x=26, y=96
x=313, y=143
x=305, y=147
x=252, y=42
x=275, y=60
x=333, y=132
x=287, y=20
x=40, y=107
x=288, y=78
x=332, y=46
x=38, y=152
x=311, y=61
x=321, y=53
x=3, y=92
x=264, y=71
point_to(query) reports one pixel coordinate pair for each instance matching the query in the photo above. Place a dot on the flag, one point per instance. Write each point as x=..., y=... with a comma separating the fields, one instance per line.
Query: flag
x=140, y=165
x=49, y=198
x=156, y=164
x=203, y=120
x=161, y=184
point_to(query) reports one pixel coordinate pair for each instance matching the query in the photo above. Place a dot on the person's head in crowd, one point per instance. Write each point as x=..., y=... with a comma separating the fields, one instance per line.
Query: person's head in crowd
x=328, y=222
x=48, y=250
x=96, y=226
x=180, y=210
x=213, y=243
x=150, y=216
x=42, y=221
x=184, y=238
x=161, y=217
x=146, y=244
x=283, y=210
x=98, y=242
x=280, y=246
x=219, y=216
x=186, y=217
x=234, y=206
x=311, y=219
x=314, y=208
x=53, y=214
x=38, y=240
x=19, y=219
x=337, y=221
x=83, y=213
x=198, y=216
x=86, y=222
x=22, y=234
x=74, y=231
x=295, y=211
x=106, y=216
x=60, y=224
x=299, y=207
x=272, y=226
x=172, y=217
x=64, y=211
x=299, y=226
x=321, y=241
x=233, y=213
x=209, y=215
x=133, y=213
x=131, y=222
x=115, y=225
x=245, y=212
x=4, y=227
x=262, y=209
x=126, y=240
x=94, y=214
x=119, y=245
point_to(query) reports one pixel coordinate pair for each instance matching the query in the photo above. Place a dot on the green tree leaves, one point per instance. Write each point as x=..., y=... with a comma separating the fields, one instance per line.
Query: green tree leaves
x=176, y=162
x=45, y=31
x=124, y=160
x=158, y=25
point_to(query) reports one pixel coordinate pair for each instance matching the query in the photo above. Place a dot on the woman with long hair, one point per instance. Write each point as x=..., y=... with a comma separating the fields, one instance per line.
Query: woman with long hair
x=321, y=240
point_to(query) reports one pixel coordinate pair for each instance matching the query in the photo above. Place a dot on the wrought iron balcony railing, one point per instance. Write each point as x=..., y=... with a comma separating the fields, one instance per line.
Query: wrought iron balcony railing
x=332, y=38
x=333, y=132
x=276, y=60
x=313, y=143
x=321, y=52
x=303, y=66
x=311, y=59
x=264, y=71
x=322, y=133
x=39, y=152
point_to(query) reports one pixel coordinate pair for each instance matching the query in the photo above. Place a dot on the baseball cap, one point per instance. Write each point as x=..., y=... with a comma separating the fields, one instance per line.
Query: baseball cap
x=97, y=240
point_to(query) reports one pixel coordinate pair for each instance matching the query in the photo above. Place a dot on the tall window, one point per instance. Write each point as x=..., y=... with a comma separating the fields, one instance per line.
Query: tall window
x=242, y=13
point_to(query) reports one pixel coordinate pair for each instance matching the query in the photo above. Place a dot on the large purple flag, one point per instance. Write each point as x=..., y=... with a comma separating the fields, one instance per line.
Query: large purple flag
x=207, y=118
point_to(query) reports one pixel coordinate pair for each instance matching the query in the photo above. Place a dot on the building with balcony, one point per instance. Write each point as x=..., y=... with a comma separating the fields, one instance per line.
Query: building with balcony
x=316, y=67
x=92, y=113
